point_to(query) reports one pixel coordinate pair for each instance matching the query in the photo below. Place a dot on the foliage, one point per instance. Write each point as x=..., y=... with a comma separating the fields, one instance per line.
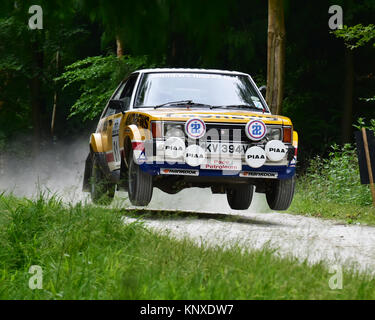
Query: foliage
x=362, y=124
x=337, y=177
x=356, y=36
x=88, y=252
x=96, y=78
x=28, y=63
x=331, y=187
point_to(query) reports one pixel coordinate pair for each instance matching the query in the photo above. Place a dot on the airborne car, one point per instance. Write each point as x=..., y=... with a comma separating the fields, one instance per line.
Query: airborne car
x=179, y=128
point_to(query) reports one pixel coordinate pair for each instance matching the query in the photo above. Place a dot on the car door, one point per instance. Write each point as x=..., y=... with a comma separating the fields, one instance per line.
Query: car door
x=112, y=123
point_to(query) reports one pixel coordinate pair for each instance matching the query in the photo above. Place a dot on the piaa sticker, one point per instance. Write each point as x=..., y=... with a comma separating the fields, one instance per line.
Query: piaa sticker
x=275, y=150
x=255, y=157
x=195, y=155
x=174, y=147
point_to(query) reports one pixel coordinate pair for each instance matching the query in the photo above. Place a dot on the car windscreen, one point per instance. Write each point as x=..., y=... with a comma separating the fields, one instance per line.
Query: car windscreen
x=204, y=88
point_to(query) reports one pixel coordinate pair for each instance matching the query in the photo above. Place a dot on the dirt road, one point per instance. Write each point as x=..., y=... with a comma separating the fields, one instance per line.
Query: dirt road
x=350, y=246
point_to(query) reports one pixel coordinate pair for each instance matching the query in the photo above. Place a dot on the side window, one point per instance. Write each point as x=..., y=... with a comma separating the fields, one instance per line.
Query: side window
x=119, y=90
x=110, y=111
x=126, y=94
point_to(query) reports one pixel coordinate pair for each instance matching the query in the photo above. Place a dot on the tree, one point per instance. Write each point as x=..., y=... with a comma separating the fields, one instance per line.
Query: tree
x=354, y=37
x=275, y=55
x=28, y=63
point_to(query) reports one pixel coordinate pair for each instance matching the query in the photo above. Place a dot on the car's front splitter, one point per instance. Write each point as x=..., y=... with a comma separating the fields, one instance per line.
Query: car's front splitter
x=276, y=172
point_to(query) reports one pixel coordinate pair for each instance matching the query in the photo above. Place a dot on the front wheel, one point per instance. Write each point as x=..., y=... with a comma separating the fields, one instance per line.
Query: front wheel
x=280, y=194
x=102, y=191
x=240, y=197
x=139, y=184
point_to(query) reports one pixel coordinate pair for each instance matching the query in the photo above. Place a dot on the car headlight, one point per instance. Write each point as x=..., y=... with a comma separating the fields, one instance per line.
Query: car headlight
x=274, y=134
x=174, y=130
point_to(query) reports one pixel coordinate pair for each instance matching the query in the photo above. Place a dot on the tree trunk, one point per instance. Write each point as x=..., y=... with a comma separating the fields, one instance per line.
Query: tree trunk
x=36, y=96
x=275, y=55
x=120, y=47
x=347, y=118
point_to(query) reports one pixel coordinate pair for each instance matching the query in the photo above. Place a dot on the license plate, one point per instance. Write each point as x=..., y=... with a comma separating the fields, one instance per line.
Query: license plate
x=222, y=164
x=224, y=148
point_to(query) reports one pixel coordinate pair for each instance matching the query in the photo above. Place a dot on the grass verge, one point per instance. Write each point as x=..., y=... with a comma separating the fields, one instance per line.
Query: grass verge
x=326, y=208
x=331, y=189
x=87, y=252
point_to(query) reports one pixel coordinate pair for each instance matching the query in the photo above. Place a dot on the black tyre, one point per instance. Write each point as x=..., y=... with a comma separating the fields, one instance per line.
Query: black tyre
x=240, y=197
x=280, y=194
x=102, y=191
x=139, y=184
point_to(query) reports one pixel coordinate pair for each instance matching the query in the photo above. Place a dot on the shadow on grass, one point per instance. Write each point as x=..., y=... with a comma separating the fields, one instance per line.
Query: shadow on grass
x=149, y=214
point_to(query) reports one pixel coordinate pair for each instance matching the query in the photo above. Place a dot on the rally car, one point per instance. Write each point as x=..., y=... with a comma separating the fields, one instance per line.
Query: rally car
x=179, y=128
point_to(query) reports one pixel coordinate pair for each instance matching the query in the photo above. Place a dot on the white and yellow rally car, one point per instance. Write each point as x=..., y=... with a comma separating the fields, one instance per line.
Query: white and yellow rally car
x=180, y=128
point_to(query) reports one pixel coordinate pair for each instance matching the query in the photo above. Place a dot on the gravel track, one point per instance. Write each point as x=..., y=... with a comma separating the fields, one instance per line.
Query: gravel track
x=207, y=219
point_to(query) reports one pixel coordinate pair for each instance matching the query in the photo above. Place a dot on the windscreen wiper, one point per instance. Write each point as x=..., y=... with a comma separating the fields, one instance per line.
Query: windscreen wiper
x=238, y=106
x=189, y=103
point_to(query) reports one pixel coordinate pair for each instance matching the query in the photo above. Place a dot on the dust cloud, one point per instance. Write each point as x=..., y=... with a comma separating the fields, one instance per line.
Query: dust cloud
x=58, y=170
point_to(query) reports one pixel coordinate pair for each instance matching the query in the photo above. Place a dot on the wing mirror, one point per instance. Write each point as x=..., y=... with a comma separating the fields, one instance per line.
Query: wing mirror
x=262, y=90
x=117, y=105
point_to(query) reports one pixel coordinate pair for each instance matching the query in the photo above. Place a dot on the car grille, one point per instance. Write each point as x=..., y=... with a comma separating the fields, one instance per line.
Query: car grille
x=225, y=132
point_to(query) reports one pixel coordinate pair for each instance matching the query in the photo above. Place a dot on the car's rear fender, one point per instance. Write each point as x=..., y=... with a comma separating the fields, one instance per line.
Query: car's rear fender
x=96, y=143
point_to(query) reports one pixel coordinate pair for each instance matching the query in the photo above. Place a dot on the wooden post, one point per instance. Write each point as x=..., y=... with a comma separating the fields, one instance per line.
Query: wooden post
x=55, y=95
x=368, y=160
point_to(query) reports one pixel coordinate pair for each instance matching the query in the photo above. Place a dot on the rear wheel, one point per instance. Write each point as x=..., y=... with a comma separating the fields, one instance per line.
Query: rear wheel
x=280, y=194
x=139, y=184
x=102, y=191
x=240, y=197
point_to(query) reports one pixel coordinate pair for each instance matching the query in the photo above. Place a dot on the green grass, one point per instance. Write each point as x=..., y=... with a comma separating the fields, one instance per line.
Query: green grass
x=329, y=209
x=331, y=189
x=87, y=252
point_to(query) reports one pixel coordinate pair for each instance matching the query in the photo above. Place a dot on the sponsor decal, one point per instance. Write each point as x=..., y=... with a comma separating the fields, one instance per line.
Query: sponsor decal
x=222, y=164
x=174, y=147
x=249, y=174
x=293, y=162
x=139, y=156
x=275, y=150
x=194, y=155
x=190, y=75
x=115, y=141
x=139, y=120
x=195, y=128
x=180, y=172
x=255, y=130
x=255, y=157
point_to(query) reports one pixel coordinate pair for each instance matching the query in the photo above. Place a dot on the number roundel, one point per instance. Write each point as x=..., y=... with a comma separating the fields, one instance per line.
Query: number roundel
x=195, y=128
x=256, y=130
